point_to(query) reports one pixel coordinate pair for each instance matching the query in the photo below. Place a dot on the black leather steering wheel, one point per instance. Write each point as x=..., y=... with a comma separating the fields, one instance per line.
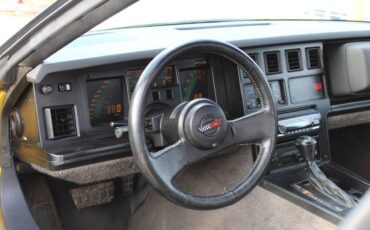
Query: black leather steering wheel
x=202, y=129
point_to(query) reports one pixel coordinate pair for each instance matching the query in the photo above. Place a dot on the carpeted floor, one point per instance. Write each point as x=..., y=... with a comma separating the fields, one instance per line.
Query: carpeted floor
x=108, y=216
x=261, y=209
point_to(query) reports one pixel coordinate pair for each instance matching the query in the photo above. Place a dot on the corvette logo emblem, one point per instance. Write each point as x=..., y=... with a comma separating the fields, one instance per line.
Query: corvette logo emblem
x=211, y=125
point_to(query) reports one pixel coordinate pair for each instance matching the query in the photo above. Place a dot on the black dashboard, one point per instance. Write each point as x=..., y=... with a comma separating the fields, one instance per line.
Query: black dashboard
x=74, y=110
x=65, y=115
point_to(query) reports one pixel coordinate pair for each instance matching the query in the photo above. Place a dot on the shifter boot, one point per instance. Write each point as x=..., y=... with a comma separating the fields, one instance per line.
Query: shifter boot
x=307, y=146
x=319, y=180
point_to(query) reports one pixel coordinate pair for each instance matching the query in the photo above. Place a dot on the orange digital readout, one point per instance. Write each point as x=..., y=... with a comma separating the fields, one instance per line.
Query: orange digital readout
x=112, y=109
x=198, y=95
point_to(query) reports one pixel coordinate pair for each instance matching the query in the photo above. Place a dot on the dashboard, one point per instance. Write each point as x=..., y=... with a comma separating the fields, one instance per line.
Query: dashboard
x=77, y=93
x=75, y=110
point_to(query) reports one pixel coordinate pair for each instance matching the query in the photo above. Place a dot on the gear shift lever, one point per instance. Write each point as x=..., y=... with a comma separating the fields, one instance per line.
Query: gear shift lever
x=306, y=145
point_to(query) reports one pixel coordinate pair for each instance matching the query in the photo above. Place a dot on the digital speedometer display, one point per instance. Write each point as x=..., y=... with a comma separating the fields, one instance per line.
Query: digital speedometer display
x=105, y=100
x=166, y=79
x=193, y=84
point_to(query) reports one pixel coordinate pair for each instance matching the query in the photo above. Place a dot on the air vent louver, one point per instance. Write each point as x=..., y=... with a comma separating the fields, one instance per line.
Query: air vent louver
x=272, y=62
x=313, y=58
x=293, y=58
x=60, y=122
x=253, y=56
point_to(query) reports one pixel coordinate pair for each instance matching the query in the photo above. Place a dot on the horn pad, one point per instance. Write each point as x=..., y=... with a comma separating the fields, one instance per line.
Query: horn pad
x=205, y=125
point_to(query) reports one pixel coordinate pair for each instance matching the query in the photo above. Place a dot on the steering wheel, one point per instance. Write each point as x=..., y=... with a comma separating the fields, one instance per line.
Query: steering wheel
x=201, y=129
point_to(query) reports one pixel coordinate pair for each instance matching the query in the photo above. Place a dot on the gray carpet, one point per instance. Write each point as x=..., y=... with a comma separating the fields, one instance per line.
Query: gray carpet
x=218, y=174
x=260, y=209
x=110, y=216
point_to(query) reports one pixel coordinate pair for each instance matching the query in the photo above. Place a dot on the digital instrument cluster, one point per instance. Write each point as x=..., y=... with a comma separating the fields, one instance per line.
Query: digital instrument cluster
x=193, y=83
x=106, y=97
x=105, y=101
x=166, y=79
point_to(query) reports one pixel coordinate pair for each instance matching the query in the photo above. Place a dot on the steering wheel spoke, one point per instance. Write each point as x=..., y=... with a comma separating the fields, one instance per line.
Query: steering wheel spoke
x=170, y=161
x=254, y=127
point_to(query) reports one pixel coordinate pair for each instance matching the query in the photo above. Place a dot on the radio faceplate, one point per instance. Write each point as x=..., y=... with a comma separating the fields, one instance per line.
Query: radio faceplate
x=298, y=125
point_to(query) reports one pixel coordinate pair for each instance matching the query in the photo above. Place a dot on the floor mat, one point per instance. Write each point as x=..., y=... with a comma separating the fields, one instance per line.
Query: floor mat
x=108, y=216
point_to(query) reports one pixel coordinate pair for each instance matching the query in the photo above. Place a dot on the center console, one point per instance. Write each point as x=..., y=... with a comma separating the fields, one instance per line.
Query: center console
x=289, y=171
x=296, y=77
x=290, y=126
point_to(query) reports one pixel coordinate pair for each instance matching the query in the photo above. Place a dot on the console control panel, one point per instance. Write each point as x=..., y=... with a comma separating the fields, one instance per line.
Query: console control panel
x=287, y=154
x=253, y=102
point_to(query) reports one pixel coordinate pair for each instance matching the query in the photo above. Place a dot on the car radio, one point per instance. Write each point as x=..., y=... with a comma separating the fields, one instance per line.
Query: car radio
x=290, y=126
x=293, y=124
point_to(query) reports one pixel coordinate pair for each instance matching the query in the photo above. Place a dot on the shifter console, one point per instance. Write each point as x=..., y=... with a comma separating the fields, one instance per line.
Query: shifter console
x=292, y=125
x=317, y=183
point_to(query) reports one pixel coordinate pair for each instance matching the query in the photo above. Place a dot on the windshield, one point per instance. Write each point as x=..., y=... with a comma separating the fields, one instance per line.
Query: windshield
x=14, y=14
x=162, y=12
x=17, y=13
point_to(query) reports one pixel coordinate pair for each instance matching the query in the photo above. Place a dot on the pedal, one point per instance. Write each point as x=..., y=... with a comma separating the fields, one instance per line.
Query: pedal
x=128, y=185
x=93, y=195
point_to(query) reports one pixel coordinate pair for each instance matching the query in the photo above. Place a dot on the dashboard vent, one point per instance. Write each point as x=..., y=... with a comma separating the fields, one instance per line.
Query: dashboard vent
x=60, y=122
x=293, y=58
x=313, y=58
x=253, y=56
x=272, y=62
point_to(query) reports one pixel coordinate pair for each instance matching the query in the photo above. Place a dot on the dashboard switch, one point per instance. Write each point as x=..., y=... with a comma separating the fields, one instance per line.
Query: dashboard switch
x=117, y=124
x=156, y=96
x=282, y=129
x=46, y=89
x=119, y=131
x=64, y=87
x=169, y=94
x=153, y=123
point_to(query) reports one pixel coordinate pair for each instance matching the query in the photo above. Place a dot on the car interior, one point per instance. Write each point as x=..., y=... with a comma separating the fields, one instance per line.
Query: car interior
x=214, y=125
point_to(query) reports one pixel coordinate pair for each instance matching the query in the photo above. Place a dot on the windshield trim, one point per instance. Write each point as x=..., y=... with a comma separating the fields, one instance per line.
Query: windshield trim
x=211, y=21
